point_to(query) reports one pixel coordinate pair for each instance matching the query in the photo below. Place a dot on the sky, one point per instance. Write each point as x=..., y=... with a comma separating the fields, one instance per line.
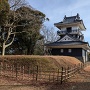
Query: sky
x=55, y=10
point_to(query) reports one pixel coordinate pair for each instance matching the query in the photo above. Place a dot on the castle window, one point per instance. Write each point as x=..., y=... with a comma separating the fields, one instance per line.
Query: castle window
x=61, y=50
x=69, y=29
x=74, y=36
x=69, y=50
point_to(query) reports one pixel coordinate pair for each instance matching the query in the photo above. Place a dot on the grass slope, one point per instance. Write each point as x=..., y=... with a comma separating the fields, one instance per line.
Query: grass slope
x=45, y=61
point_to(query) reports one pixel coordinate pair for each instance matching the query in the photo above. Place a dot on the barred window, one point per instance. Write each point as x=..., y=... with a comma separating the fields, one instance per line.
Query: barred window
x=69, y=50
x=62, y=51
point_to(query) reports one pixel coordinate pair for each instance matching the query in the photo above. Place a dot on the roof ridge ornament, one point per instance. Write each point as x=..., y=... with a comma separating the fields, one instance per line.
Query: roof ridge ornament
x=78, y=16
x=64, y=17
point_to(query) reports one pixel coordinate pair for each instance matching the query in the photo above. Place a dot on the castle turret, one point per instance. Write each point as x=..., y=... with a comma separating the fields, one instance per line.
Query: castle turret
x=73, y=26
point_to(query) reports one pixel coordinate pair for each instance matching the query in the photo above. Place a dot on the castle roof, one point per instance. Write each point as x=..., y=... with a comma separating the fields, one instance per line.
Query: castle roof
x=66, y=43
x=69, y=44
x=71, y=20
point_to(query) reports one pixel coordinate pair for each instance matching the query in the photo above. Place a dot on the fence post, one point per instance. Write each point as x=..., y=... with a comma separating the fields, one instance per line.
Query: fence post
x=68, y=72
x=23, y=69
x=65, y=74
x=0, y=67
x=58, y=75
x=53, y=74
x=33, y=70
x=12, y=70
x=28, y=71
x=49, y=76
x=37, y=73
x=61, y=75
x=78, y=67
x=16, y=69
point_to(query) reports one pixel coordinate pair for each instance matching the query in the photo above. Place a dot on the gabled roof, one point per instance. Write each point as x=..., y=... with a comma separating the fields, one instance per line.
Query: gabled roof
x=68, y=37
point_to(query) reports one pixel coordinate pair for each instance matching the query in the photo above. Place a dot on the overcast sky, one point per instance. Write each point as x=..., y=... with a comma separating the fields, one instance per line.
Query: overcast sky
x=55, y=10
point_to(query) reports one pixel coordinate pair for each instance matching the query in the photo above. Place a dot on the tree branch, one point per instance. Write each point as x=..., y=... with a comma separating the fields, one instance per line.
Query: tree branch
x=17, y=32
x=8, y=36
x=10, y=42
x=15, y=4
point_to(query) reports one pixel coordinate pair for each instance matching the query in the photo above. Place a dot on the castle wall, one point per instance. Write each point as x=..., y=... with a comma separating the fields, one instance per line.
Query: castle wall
x=79, y=53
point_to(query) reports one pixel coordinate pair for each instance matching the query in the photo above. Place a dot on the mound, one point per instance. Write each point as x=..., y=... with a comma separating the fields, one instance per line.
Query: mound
x=65, y=61
x=45, y=61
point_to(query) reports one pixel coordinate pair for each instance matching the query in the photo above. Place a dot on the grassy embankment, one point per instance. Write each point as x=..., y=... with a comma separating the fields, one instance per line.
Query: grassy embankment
x=45, y=61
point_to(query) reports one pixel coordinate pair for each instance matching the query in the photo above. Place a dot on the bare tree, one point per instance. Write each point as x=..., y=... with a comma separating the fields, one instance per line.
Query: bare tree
x=49, y=34
x=14, y=4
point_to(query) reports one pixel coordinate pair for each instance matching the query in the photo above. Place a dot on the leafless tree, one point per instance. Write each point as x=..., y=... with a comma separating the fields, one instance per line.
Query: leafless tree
x=50, y=35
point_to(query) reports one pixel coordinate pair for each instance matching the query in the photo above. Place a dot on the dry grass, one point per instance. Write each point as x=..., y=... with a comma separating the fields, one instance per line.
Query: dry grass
x=47, y=61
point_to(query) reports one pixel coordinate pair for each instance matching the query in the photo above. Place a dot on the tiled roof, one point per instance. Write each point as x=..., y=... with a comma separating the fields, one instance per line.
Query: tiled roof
x=71, y=19
x=66, y=43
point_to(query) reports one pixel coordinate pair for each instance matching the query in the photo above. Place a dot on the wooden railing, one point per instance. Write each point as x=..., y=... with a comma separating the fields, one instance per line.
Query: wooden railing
x=70, y=72
x=27, y=72
x=72, y=32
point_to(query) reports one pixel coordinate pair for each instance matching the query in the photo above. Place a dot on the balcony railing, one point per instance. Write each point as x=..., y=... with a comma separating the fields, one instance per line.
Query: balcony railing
x=72, y=32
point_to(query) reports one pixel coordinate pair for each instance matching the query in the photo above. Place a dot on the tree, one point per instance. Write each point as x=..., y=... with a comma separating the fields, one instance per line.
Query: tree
x=4, y=10
x=49, y=34
x=39, y=47
x=9, y=21
x=35, y=20
x=20, y=18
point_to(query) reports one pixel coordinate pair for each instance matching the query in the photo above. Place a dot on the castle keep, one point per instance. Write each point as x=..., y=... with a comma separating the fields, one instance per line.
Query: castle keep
x=71, y=41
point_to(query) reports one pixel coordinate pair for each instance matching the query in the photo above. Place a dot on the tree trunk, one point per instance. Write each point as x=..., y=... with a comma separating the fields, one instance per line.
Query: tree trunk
x=3, y=49
x=30, y=51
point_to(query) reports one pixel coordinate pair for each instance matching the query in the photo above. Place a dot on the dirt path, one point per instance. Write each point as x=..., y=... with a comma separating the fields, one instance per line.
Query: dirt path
x=80, y=81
